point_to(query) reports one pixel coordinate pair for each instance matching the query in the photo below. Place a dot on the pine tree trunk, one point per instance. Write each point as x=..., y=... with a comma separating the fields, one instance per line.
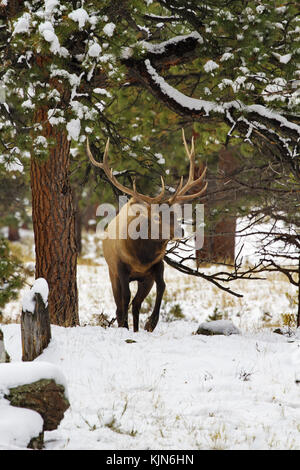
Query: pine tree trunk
x=54, y=226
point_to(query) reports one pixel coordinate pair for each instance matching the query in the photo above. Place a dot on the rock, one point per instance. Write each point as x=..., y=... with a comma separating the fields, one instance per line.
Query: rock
x=4, y=357
x=37, y=443
x=286, y=331
x=279, y=331
x=44, y=396
x=218, y=327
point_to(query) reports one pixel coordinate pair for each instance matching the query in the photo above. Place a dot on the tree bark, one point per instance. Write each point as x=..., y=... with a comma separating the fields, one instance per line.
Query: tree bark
x=219, y=240
x=78, y=223
x=54, y=226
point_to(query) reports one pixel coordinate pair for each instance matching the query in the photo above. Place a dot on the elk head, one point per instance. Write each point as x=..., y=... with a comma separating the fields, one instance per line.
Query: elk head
x=151, y=210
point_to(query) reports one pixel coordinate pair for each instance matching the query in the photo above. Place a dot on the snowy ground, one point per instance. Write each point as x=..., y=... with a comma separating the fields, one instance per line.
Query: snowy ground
x=171, y=389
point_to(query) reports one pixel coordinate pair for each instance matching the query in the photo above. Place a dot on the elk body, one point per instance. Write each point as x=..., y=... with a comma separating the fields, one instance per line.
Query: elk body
x=141, y=259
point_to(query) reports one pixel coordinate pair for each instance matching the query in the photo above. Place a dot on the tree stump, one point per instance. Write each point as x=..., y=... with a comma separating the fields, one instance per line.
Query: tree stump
x=35, y=329
x=4, y=357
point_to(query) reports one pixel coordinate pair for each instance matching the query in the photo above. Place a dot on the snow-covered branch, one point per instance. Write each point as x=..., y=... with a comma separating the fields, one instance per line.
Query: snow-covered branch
x=270, y=129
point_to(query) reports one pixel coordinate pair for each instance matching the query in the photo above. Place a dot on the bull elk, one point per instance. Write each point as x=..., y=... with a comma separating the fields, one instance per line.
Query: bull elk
x=140, y=259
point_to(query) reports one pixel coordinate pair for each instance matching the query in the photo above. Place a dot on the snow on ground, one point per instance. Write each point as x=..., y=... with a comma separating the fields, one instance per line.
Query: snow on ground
x=171, y=389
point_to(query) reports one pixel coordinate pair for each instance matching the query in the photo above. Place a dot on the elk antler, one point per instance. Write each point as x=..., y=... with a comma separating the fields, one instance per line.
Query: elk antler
x=179, y=195
x=109, y=173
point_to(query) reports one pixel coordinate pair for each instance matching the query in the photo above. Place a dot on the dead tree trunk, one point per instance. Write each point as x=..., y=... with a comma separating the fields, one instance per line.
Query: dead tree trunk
x=13, y=233
x=35, y=330
x=219, y=239
x=298, y=313
x=4, y=357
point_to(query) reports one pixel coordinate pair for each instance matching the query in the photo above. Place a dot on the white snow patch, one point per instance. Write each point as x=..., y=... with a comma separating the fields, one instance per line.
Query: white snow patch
x=160, y=158
x=221, y=327
x=14, y=374
x=109, y=29
x=18, y=426
x=22, y=25
x=50, y=5
x=283, y=59
x=94, y=50
x=161, y=47
x=226, y=56
x=210, y=66
x=13, y=165
x=102, y=91
x=73, y=128
x=180, y=98
x=80, y=16
x=126, y=52
x=46, y=30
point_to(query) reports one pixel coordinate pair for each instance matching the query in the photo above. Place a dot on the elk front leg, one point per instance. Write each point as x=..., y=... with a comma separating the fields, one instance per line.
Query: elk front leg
x=158, y=272
x=144, y=287
x=125, y=292
x=117, y=292
x=120, y=287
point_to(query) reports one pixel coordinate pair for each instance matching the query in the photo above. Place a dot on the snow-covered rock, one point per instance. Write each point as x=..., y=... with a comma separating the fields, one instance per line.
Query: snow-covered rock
x=37, y=392
x=218, y=327
x=18, y=426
